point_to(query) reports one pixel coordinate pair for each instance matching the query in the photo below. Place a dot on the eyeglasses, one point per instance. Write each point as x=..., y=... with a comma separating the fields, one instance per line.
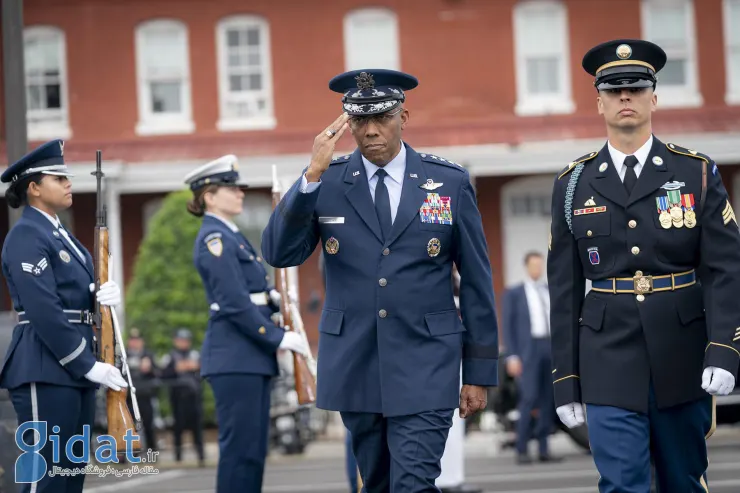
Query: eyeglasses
x=357, y=122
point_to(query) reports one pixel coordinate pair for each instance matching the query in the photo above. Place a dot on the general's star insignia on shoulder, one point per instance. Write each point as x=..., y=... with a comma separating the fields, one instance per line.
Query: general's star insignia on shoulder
x=340, y=159
x=687, y=152
x=571, y=166
x=430, y=158
x=35, y=269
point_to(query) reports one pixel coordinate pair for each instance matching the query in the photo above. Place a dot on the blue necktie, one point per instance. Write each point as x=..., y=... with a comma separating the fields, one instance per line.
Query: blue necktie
x=383, y=204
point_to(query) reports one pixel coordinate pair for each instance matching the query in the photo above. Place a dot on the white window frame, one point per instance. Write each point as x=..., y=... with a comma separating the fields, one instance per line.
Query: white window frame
x=49, y=130
x=263, y=122
x=351, y=57
x=529, y=105
x=149, y=122
x=732, y=96
x=689, y=95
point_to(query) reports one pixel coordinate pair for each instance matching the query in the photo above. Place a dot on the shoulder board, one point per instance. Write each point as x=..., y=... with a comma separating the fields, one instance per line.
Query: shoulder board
x=211, y=237
x=431, y=158
x=340, y=159
x=688, y=152
x=573, y=164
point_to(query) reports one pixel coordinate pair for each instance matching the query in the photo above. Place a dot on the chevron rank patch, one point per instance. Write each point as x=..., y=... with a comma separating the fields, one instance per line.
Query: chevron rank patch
x=35, y=269
x=728, y=214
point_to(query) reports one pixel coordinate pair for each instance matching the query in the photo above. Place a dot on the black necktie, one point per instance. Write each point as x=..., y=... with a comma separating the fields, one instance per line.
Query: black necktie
x=383, y=204
x=630, y=177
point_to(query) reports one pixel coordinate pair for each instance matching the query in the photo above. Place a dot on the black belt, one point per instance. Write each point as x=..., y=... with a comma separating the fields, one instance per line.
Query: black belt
x=73, y=316
x=642, y=284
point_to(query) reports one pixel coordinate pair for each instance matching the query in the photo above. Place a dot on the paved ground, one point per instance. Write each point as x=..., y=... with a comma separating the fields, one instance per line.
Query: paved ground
x=320, y=470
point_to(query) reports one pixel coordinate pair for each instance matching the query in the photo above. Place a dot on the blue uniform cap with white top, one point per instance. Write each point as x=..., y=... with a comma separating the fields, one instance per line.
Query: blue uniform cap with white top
x=222, y=171
x=47, y=159
x=372, y=91
x=624, y=63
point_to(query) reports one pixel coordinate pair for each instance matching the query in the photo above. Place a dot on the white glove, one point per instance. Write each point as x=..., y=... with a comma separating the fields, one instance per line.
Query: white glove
x=571, y=414
x=109, y=293
x=717, y=381
x=107, y=375
x=275, y=297
x=294, y=342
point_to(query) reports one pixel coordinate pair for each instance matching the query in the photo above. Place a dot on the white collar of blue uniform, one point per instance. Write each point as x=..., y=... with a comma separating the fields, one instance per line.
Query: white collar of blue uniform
x=641, y=154
x=395, y=169
x=233, y=227
x=53, y=220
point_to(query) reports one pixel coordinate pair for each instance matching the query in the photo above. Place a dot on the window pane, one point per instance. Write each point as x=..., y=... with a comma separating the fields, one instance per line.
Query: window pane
x=371, y=40
x=734, y=68
x=235, y=83
x=255, y=82
x=254, y=58
x=165, y=52
x=232, y=37
x=673, y=74
x=668, y=23
x=733, y=36
x=541, y=31
x=542, y=75
x=253, y=36
x=34, y=97
x=52, y=96
x=165, y=97
x=42, y=53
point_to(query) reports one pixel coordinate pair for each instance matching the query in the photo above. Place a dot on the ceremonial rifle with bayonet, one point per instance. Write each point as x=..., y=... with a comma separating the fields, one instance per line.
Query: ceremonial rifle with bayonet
x=110, y=348
x=304, y=369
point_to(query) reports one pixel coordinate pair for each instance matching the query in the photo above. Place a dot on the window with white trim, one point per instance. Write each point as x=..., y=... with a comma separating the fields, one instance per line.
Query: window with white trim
x=245, y=74
x=163, y=74
x=541, y=46
x=670, y=25
x=45, y=59
x=731, y=15
x=371, y=39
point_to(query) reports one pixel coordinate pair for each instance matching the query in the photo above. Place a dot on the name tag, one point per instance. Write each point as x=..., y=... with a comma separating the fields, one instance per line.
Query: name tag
x=331, y=220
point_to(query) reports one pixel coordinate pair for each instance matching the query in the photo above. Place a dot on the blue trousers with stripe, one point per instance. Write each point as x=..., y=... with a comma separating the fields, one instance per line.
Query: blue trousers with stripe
x=69, y=408
x=624, y=443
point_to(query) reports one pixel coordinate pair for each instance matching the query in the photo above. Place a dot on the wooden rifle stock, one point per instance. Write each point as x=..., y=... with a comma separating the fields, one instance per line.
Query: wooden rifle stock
x=119, y=416
x=305, y=380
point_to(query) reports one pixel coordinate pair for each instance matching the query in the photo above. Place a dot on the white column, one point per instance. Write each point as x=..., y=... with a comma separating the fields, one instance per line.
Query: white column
x=453, y=459
x=112, y=201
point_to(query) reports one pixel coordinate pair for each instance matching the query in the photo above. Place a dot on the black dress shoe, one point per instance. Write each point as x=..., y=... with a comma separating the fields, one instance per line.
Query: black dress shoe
x=463, y=488
x=523, y=459
x=550, y=458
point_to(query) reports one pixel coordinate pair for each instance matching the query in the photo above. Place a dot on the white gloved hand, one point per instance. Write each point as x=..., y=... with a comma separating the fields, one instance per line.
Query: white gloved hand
x=571, y=414
x=107, y=375
x=717, y=381
x=275, y=297
x=294, y=342
x=109, y=293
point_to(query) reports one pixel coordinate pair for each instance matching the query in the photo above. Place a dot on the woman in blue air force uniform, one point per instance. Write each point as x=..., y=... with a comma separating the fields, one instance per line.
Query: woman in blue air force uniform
x=239, y=351
x=50, y=368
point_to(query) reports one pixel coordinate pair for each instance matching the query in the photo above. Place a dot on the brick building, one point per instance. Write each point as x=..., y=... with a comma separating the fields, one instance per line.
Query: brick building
x=162, y=86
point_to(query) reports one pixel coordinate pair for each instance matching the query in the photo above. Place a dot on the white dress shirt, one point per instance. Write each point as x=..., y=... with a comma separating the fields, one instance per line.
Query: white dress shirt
x=233, y=227
x=396, y=168
x=538, y=302
x=58, y=225
x=641, y=154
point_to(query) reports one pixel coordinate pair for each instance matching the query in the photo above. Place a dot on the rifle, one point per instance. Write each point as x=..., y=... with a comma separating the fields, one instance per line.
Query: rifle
x=110, y=347
x=304, y=372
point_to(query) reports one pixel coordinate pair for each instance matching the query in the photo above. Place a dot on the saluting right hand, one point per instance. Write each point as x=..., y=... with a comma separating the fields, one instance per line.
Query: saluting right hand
x=323, y=148
x=107, y=375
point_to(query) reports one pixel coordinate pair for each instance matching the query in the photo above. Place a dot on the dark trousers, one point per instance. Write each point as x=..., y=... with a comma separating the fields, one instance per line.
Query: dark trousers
x=70, y=409
x=624, y=442
x=187, y=408
x=243, y=414
x=146, y=410
x=399, y=454
x=350, y=463
x=535, y=392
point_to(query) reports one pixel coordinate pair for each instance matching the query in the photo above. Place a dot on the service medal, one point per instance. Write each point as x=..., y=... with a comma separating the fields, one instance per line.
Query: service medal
x=665, y=220
x=676, y=214
x=690, y=219
x=663, y=216
x=687, y=200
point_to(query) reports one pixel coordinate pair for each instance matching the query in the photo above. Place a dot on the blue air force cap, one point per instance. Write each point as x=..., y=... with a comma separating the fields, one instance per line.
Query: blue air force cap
x=625, y=63
x=372, y=91
x=47, y=159
x=223, y=171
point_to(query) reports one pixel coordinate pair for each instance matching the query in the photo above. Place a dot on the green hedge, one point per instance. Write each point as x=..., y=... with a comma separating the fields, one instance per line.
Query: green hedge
x=165, y=292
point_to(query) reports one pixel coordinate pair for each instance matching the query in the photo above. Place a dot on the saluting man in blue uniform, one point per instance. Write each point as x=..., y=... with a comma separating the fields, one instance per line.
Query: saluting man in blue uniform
x=50, y=368
x=239, y=354
x=392, y=222
x=651, y=225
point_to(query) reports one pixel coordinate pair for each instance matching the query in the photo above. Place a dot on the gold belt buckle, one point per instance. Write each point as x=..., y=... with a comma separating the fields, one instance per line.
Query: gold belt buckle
x=642, y=284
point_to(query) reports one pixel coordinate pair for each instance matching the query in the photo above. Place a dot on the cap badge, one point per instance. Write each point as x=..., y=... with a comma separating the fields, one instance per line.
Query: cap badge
x=61, y=147
x=624, y=51
x=365, y=81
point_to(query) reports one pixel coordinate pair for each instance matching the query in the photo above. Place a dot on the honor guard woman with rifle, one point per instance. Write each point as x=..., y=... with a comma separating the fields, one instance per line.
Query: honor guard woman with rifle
x=51, y=369
x=238, y=357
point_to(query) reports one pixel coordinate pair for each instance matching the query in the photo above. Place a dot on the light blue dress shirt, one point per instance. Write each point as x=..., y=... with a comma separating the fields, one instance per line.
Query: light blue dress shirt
x=393, y=182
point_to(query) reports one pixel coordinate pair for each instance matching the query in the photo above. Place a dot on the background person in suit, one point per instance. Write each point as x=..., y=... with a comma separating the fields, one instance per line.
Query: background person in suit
x=526, y=326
